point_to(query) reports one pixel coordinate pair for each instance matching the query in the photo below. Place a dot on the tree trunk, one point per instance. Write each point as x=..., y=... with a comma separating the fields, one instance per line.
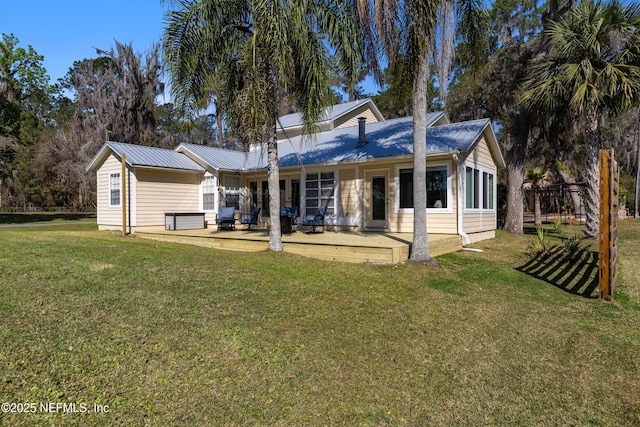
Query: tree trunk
x=538, y=211
x=420, y=248
x=273, y=179
x=592, y=178
x=514, y=157
x=219, y=125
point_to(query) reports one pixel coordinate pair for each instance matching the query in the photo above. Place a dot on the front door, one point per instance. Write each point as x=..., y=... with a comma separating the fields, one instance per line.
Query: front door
x=377, y=195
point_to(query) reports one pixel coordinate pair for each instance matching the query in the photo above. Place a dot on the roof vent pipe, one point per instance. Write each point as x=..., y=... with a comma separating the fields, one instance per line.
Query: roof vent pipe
x=361, y=132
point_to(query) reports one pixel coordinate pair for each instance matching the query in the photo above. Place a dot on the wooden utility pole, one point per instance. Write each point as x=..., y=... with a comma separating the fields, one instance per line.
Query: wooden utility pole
x=123, y=194
x=608, y=242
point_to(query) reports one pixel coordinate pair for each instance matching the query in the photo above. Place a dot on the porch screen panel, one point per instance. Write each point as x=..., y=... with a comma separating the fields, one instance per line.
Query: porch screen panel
x=320, y=191
x=232, y=192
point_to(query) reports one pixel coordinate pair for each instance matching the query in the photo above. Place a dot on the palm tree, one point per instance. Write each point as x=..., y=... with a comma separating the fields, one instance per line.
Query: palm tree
x=406, y=29
x=537, y=179
x=259, y=52
x=593, y=68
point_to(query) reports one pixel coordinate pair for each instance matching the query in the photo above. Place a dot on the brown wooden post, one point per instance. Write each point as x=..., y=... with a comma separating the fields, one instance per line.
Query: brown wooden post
x=123, y=194
x=608, y=242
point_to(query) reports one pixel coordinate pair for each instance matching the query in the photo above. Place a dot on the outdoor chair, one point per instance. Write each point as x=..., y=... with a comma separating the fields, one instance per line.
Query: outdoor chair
x=251, y=219
x=226, y=218
x=316, y=220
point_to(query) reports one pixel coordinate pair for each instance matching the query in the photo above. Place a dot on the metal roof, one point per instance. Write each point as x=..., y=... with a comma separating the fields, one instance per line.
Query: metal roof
x=390, y=138
x=217, y=158
x=294, y=120
x=141, y=156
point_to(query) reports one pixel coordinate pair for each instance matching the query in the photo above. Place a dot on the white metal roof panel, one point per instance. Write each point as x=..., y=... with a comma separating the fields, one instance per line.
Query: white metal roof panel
x=217, y=158
x=142, y=156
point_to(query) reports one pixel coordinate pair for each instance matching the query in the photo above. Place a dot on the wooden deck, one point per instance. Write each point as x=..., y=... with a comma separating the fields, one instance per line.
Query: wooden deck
x=387, y=248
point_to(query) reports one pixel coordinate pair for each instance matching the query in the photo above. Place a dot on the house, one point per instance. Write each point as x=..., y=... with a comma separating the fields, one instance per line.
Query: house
x=359, y=167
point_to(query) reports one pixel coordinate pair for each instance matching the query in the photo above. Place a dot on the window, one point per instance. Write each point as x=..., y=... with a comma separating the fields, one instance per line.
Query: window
x=209, y=193
x=472, y=188
x=487, y=190
x=232, y=191
x=406, y=188
x=477, y=189
x=319, y=191
x=114, y=189
x=437, y=187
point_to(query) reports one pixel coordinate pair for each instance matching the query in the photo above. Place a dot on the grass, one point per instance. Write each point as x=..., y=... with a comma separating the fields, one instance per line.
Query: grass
x=44, y=217
x=175, y=335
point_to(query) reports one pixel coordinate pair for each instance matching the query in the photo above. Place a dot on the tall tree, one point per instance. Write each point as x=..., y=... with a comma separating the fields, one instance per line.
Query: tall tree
x=593, y=68
x=491, y=89
x=25, y=103
x=261, y=51
x=406, y=29
x=116, y=96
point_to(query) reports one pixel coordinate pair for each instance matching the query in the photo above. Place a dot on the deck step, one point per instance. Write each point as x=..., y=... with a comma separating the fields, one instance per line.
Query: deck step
x=357, y=248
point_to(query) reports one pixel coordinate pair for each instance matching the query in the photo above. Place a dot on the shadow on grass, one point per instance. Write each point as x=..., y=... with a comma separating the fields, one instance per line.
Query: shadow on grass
x=27, y=218
x=576, y=273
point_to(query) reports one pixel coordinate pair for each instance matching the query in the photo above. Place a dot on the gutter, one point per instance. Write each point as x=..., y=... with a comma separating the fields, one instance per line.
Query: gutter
x=460, y=204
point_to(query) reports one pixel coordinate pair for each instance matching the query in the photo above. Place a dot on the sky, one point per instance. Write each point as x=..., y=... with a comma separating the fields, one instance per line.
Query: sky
x=64, y=31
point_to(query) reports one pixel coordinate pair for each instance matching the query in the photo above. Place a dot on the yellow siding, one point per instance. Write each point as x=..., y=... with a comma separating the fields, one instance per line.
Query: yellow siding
x=437, y=222
x=164, y=191
x=348, y=198
x=481, y=156
x=475, y=222
x=111, y=217
x=352, y=118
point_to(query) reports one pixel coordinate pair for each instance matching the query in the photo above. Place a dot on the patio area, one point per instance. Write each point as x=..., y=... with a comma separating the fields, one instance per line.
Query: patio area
x=368, y=247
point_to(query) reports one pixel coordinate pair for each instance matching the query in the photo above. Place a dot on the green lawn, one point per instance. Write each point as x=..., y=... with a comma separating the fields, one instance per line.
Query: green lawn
x=174, y=335
x=45, y=217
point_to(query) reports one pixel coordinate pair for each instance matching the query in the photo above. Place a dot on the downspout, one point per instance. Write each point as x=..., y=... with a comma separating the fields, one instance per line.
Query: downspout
x=129, y=198
x=460, y=203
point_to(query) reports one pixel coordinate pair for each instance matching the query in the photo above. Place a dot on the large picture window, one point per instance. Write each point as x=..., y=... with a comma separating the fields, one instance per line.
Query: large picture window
x=209, y=193
x=114, y=189
x=437, y=188
x=319, y=191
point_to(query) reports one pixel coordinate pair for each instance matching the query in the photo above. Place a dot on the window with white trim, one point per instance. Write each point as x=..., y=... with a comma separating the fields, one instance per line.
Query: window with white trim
x=487, y=190
x=209, y=193
x=320, y=191
x=114, y=190
x=479, y=189
x=437, y=187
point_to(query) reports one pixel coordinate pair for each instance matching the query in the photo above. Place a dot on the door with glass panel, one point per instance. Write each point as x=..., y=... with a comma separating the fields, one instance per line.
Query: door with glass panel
x=377, y=199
